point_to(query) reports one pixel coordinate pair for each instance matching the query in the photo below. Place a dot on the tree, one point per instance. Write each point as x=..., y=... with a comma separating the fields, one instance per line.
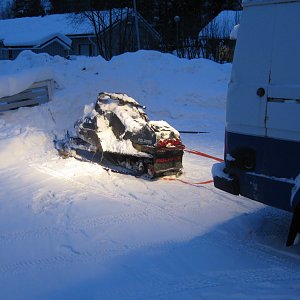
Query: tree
x=27, y=8
x=105, y=23
x=6, y=11
x=62, y=6
x=194, y=15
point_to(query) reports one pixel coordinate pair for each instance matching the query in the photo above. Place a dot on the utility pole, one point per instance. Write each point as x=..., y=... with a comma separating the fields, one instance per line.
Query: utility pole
x=177, y=20
x=138, y=43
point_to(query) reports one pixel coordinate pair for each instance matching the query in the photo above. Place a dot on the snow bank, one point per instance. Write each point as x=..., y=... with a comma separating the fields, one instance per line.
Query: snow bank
x=193, y=86
x=14, y=83
x=190, y=90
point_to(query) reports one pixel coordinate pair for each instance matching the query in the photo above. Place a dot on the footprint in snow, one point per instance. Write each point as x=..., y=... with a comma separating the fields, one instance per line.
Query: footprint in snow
x=48, y=201
x=7, y=130
x=69, y=249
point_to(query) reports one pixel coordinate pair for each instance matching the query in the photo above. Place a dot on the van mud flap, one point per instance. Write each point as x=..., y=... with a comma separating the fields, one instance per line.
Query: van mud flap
x=294, y=227
x=224, y=181
x=228, y=185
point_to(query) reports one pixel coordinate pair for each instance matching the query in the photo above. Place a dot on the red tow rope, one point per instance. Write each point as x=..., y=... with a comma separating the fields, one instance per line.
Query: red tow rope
x=186, y=182
x=203, y=154
x=195, y=183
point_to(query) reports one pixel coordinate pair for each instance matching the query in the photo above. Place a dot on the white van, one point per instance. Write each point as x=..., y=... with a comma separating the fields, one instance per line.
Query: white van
x=262, y=143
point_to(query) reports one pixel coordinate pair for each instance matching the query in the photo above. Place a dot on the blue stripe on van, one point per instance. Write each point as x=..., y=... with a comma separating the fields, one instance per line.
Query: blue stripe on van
x=265, y=167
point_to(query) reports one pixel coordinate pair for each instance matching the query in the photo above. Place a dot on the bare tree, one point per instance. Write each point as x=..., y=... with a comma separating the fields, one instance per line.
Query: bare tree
x=215, y=40
x=110, y=28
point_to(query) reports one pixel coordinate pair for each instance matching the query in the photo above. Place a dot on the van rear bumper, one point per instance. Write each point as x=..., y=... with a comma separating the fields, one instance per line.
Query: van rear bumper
x=229, y=186
x=224, y=181
x=260, y=168
x=271, y=191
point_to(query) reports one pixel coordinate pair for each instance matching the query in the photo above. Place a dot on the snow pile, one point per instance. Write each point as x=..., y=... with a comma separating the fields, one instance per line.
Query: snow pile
x=11, y=84
x=218, y=171
x=79, y=81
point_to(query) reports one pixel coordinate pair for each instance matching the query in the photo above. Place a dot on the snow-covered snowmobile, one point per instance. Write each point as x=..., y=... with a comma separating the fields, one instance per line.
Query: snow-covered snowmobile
x=117, y=130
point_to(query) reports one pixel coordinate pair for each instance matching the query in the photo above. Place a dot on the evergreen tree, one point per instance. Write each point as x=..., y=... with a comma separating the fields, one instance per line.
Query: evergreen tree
x=6, y=11
x=27, y=8
x=193, y=14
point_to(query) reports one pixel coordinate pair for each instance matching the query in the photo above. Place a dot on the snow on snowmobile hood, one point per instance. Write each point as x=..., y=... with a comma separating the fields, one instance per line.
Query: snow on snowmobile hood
x=121, y=124
x=118, y=129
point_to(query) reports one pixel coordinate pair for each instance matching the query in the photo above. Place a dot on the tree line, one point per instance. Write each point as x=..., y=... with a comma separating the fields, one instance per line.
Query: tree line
x=193, y=14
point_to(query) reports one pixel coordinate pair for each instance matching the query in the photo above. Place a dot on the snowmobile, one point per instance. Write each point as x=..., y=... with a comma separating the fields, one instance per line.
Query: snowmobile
x=116, y=130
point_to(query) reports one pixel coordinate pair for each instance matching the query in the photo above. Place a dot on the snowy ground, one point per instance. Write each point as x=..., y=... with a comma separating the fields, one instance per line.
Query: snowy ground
x=71, y=230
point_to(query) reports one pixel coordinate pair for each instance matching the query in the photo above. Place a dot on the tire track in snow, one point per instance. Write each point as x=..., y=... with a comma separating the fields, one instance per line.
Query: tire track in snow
x=208, y=286
x=77, y=257
x=163, y=196
x=83, y=257
x=80, y=226
x=142, y=211
x=281, y=267
x=166, y=286
x=81, y=185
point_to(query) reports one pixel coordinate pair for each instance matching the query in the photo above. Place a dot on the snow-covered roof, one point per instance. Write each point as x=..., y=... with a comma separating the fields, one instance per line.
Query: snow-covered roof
x=31, y=30
x=234, y=32
x=222, y=25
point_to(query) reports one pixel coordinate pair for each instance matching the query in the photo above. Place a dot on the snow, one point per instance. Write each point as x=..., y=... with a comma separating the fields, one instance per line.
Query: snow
x=229, y=157
x=217, y=170
x=23, y=31
x=71, y=230
x=130, y=118
x=12, y=83
x=134, y=119
x=234, y=32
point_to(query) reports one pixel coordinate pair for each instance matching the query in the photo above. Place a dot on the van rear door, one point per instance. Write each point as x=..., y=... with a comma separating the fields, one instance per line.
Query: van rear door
x=246, y=110
x=283, y=95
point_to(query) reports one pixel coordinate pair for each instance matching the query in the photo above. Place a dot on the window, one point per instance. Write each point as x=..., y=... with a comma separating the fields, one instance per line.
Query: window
x=85, y=49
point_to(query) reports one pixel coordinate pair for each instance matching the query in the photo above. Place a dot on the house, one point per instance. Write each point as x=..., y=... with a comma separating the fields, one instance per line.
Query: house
x=215, y=38
x=74, y=34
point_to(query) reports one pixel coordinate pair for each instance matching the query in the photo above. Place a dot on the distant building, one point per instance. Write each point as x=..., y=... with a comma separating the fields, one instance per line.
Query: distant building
x=215, y=38
x=73, y=34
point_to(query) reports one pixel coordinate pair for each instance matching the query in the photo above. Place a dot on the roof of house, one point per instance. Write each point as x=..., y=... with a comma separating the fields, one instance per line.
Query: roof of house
x=31, y=31
x=222, y=25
